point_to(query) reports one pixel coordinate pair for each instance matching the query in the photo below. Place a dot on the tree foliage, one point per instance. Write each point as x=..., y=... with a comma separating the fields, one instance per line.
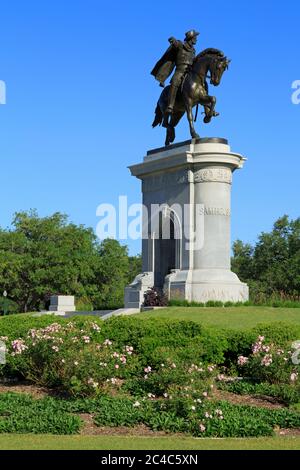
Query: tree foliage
x=273, y=264
x=40, y=257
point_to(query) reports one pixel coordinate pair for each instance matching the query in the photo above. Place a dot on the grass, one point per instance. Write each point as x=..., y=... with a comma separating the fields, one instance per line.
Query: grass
x=37, y=442
x=229, y=317
x=235, y=317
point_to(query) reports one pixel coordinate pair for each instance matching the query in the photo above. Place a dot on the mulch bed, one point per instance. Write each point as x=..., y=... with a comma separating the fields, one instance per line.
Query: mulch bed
x=90, y=429
x=25, y=387
x=260, y=401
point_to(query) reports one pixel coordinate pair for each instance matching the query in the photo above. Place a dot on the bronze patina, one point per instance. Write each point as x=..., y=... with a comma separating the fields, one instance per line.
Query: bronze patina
x=189, y=85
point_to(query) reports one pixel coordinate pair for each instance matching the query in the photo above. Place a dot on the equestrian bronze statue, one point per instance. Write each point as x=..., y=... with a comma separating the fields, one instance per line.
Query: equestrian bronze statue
x=189, y=85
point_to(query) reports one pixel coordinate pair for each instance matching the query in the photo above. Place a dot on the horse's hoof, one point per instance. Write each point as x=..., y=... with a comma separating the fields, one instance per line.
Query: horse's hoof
x=207, y=119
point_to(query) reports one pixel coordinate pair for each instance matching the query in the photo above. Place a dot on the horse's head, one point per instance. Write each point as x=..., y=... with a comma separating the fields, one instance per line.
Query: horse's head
x=217, y=67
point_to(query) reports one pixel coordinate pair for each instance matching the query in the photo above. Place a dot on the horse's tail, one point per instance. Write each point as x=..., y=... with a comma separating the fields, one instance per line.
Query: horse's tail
x=158, y=117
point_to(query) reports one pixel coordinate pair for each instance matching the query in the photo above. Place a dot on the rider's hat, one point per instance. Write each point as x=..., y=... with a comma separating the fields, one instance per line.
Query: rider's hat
x=191, y=34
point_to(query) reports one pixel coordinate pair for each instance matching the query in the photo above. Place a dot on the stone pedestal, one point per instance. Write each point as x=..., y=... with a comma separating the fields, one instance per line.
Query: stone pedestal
x=187, y=242
x=62, y=303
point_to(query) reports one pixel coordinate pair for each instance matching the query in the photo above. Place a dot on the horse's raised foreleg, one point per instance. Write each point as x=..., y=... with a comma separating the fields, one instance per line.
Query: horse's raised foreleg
x=209, y=103
x=189, y=112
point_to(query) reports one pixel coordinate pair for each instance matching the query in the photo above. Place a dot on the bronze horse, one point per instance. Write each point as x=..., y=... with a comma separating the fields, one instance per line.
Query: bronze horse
x=194, y=91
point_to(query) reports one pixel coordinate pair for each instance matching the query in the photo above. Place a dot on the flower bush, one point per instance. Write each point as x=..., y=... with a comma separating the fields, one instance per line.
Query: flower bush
x=162, y=374
x=71, y=357
x=270, y=363
x=171, y=380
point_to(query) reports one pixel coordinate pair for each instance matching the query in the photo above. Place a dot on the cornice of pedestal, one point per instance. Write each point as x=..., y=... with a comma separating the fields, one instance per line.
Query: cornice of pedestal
x=233, y=160
x=193, y=155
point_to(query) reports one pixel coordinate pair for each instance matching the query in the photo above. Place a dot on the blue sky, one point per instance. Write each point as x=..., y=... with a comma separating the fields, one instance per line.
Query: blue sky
x=80, y=102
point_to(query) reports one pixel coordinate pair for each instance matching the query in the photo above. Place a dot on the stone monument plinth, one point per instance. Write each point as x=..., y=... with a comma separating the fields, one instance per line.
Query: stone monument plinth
x=186, y=246
x=62, y=304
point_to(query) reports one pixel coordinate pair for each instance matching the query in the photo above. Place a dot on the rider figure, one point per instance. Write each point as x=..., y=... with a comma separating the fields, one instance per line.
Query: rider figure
x=180, y=55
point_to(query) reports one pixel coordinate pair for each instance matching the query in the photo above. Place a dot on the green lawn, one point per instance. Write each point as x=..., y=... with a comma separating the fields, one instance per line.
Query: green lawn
x=38, y=442
x=235, y=317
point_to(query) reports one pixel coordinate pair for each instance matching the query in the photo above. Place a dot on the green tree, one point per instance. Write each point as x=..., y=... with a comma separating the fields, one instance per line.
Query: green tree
x=45, y=256
x=112, y=274
x=273, y=265
x=135, y=267
x=242, y=262
x=40, y=257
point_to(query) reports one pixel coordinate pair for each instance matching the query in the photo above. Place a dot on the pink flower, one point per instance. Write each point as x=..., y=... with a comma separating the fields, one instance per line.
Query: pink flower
x=242, y=360
x=205, y=394
x=107, y=342
x=86, y=339
x=18, y=346
x=256, y=348
x=202, y=428
x=148, y=369
x=267, y=360
x=294, y=377
x=129, y=350
x=32, y=333
x=96, y=327
x=117, y=366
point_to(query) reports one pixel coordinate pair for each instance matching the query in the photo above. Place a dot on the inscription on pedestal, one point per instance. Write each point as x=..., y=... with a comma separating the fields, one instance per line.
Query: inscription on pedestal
x=157, y=182
x=213, y=175
x=215, y=211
